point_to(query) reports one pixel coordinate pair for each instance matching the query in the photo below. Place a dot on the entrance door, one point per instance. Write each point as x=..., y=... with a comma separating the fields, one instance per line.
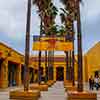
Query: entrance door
x=59, y=73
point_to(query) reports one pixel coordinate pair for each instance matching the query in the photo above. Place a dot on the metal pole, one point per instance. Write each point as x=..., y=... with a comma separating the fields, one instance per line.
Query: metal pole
x=27, y=47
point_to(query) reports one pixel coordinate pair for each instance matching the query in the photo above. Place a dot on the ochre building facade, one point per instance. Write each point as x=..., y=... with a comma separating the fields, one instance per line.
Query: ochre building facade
x=12, y=66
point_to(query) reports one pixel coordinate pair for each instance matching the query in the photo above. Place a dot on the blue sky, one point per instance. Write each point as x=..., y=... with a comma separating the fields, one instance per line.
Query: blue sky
x=13, y=23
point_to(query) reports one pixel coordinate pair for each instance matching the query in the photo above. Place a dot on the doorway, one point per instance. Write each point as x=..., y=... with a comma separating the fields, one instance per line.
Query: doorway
x=12, y=73
x=59, y=73
x=22, y=74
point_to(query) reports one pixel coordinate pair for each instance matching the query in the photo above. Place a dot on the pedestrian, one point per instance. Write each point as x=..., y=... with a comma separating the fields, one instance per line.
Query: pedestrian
x=96, y=82
x=91, y=83
x=99, y=80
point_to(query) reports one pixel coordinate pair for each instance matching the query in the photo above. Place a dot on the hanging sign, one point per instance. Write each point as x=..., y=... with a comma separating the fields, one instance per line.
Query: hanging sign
x=58, y=46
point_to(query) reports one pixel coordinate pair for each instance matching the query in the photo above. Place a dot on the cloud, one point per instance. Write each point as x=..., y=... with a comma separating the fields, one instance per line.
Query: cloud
x=13, y=22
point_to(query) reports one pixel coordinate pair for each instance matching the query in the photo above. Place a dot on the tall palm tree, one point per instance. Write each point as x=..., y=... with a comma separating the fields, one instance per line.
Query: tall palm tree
x=79, y=44
x=27, y=47
x=47, y=12
x=51, y=32
x=64, y=21
x=68, y=21
x=41, y=4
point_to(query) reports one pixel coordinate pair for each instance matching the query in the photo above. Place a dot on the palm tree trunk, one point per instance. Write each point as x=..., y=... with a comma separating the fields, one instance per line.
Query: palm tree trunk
x=79, y=44
x=70, y=65
x=73, y=81
x=50, y=65
x=46, y=73
x=27, y=47
x=39, y=71
x=67, y=72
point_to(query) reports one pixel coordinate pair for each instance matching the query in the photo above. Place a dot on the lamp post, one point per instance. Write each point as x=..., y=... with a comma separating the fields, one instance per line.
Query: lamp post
x=27, y=47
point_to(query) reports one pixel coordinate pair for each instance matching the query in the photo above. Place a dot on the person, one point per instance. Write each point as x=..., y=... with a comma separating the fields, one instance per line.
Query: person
x=91, y=83
x=99, y=80
x=96, y=82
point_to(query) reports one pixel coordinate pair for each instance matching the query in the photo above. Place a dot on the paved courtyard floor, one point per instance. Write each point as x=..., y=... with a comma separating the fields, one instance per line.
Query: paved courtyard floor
x=56, y=92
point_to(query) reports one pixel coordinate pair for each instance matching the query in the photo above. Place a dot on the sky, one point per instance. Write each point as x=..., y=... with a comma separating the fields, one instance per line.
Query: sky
x=13, y=23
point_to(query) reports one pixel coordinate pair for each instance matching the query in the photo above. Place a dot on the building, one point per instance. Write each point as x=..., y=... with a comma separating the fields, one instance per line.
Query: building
x=11, y=67
x=59, y=68
x=92, y=61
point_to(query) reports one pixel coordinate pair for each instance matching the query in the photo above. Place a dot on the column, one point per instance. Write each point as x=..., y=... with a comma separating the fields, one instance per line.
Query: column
x=54, y=73
x=65, y=72
x=4, y=71
x=18, y=76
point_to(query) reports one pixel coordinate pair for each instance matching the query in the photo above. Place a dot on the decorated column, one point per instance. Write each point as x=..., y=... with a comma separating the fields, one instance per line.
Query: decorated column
x=18, y=76
x=4, y=71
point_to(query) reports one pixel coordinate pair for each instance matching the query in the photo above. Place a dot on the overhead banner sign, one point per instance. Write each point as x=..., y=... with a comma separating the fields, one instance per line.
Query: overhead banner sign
x=63, y=46
x=40, y=46
x=47, y=38
x=48, y=46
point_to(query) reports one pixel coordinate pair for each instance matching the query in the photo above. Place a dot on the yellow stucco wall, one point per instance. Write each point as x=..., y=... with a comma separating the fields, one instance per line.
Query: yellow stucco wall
x=91, y=64
x=9, y=54
x=14, y=55
x=92, y=59
x=58, y=64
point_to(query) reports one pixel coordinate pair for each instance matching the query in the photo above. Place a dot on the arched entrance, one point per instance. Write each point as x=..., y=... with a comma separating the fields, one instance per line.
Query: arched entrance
x=60, y=73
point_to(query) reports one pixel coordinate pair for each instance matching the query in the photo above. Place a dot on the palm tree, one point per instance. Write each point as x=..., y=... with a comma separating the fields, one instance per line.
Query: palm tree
x=51, y=32
x=27, y=47
x=79, y=44
x=40, y=10
x=64, y=21
x=47, y=12
x=68, y=19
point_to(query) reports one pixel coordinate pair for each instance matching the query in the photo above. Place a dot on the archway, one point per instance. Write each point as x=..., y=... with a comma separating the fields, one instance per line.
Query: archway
x=59, y=73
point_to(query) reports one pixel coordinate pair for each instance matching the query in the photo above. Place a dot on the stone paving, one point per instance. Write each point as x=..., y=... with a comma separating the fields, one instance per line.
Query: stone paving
x=56, y=92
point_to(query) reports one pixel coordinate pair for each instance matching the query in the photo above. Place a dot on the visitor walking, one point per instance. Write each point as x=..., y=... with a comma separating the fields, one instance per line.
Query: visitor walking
x=96, y=82
x=91, y=83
